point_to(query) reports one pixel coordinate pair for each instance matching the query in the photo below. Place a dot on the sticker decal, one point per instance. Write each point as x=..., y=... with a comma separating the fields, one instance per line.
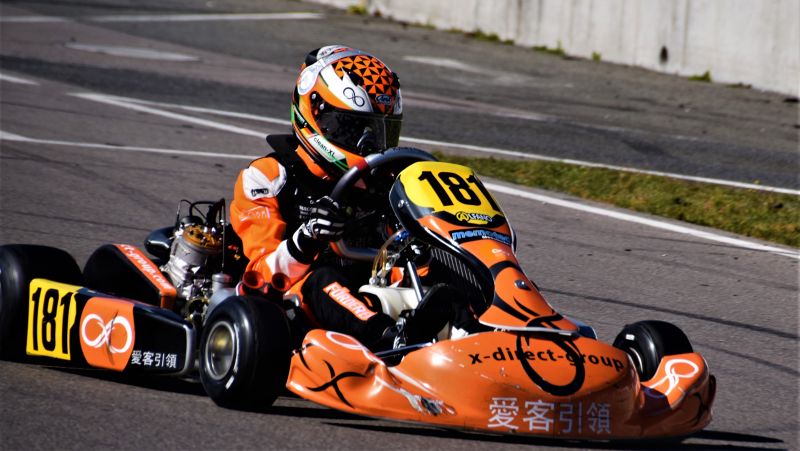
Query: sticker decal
x=383, y=99
x=473, y=218
x=162, y=344
x=257, y=185
x=542, y=416
x=343, y=297
x=465, y=236
x=107, y=333
x=351, y=95
x=151, y=271
x=506, y=354
x=154, y=359
x=504, y=411
x=330, y=153
x=51, y=315
x=448, y=187
x=326, y=56
x=669, y=386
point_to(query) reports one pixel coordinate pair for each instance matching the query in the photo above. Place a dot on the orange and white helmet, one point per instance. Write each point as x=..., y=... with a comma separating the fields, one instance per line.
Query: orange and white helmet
x=346, y=105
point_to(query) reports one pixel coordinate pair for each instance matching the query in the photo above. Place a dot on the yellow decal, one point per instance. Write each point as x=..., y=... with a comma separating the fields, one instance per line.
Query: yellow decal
x=51, y=315
x=449, y=187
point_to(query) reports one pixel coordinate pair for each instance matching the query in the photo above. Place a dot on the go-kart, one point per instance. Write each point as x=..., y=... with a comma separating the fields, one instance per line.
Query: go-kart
x=529, y=370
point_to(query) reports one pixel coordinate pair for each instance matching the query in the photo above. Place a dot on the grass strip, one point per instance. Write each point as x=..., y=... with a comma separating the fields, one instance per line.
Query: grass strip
x=769, y=216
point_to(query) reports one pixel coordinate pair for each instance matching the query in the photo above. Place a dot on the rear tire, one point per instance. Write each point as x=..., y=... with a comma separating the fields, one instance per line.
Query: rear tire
x=647, y=342
x=245, y=350
x=19, y=264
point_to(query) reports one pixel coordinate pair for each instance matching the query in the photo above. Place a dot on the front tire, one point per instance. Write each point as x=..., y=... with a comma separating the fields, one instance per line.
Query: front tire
x=245, y=350
x=19, y=264
x=647, y=342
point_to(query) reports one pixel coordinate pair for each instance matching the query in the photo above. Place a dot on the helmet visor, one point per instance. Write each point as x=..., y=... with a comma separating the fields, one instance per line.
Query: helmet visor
x=361, y=133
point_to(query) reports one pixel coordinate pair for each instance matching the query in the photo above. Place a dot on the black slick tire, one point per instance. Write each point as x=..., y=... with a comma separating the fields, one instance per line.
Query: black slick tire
x=19, y=264
x=647, y=342
x=244, y=353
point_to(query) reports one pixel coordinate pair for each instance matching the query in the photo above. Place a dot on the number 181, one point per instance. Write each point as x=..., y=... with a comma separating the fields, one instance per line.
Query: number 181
x=459, y=188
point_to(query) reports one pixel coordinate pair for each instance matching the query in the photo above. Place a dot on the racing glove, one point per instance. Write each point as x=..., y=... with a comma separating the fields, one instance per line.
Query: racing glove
x=325, y=223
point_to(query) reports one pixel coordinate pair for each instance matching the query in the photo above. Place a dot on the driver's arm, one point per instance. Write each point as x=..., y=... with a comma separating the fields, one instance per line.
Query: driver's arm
x=256, y=218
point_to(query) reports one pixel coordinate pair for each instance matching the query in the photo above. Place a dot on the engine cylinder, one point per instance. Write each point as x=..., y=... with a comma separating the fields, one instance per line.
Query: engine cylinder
x=195, y=253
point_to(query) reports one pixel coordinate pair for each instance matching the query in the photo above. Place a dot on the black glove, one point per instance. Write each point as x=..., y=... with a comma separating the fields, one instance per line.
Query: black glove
x=325, y=223
x=326, y=220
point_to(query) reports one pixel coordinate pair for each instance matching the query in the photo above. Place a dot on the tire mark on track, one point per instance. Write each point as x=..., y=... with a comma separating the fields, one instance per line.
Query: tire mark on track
x=646, y=255
x=50, y=234
x=774, y=366
x=725, y=322
x=149, y=85
x=102, y=178
x=72, y=220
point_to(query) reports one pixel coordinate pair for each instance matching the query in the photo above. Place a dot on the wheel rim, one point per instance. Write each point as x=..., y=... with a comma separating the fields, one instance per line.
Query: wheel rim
x=220, y=350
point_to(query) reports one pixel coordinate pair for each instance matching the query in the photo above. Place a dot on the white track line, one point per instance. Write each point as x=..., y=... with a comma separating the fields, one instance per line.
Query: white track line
x=5, y=136
x=447, y=63
x=132, y=52
x=206, y=17
x=589, y=164
x=167, y=18
x=21, y=81
x=127, y=103
x=481, y=149
x=642, y=220
x=117, y=101
x=32, y=19
x=196, y=109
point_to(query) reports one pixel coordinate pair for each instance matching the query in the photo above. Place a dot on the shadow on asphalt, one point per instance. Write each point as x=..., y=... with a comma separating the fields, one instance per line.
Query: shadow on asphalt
x=735, y=437
x=160, y=383
x=661, y=444
x=171, y=384
x=313, y=412
x=190, y=387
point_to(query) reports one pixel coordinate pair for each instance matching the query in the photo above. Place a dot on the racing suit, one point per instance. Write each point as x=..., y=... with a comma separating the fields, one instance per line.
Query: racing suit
x=271, y=200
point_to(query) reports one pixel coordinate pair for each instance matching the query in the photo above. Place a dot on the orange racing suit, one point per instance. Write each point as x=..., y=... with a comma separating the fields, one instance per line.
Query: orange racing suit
x=267, y=209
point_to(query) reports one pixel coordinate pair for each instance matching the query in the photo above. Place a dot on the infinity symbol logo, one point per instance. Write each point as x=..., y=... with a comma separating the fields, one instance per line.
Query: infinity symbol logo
x=351, y=95
x=106, y=331
x=673, y=377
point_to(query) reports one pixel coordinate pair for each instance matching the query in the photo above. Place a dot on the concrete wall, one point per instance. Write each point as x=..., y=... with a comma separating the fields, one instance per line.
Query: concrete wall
x=755, y=42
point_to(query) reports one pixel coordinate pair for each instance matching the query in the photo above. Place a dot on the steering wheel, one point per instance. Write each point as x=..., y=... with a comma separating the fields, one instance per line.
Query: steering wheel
x=356, y=173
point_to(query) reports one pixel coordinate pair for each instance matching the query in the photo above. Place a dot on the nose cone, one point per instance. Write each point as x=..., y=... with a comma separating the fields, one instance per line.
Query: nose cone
x=546, y=384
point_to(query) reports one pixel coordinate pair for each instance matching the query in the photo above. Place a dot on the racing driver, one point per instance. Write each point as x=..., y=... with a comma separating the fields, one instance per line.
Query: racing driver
x=346, y=104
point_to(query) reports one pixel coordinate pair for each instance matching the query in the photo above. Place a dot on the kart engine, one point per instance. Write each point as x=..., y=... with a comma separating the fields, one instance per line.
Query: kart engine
x=196, y=256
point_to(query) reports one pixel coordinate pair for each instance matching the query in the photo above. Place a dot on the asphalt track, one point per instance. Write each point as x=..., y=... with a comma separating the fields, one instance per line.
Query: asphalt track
x=126, y=169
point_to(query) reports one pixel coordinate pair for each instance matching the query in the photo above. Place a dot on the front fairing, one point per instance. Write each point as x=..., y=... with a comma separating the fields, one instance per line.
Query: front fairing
x=533, y=375
x=508, y=382
x=447, y=206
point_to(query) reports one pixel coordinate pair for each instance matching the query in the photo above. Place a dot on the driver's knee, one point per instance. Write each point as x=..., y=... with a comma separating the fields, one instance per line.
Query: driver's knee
x=337, y=305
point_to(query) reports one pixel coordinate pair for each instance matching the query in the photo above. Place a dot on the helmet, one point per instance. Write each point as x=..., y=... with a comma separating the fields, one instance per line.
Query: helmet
x=346, y=105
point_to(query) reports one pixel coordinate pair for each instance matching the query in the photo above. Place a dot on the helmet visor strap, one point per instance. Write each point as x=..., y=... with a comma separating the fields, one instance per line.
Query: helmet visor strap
x=361, y=133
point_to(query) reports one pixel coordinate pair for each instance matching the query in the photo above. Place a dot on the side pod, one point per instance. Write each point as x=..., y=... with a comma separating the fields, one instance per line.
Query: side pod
x=79, y=327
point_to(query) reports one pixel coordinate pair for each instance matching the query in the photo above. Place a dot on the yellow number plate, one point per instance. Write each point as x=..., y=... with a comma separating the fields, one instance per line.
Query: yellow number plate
x=449, y=187
x=51, y=315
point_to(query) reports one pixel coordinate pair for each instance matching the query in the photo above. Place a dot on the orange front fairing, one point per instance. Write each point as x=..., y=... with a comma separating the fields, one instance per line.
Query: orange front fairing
x=448, y=206
x=545, y=384
x=681, y=390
